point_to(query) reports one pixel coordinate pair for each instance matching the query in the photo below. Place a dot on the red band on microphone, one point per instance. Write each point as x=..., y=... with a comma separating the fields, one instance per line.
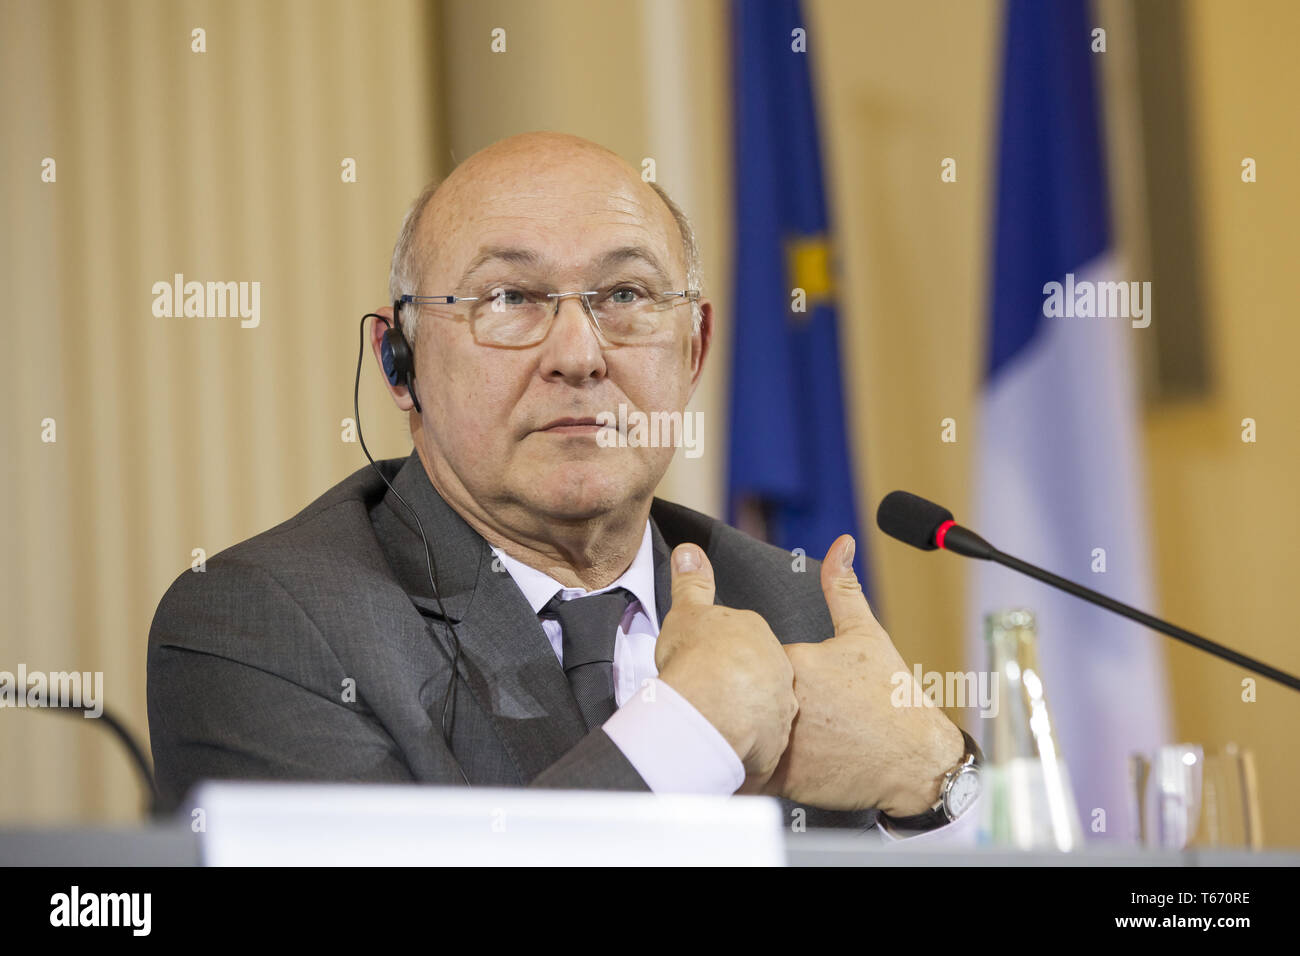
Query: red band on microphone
x=943, y=530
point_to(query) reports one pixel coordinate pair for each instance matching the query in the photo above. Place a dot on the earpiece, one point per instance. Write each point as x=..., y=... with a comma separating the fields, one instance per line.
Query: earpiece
x=396, y=355
x=399, y=368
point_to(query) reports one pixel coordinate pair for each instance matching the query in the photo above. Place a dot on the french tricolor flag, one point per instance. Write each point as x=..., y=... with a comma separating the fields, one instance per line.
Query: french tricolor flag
x=1059, y=476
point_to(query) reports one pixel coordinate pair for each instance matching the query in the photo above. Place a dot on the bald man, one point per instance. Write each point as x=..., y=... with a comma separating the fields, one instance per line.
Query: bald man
x=564, y=628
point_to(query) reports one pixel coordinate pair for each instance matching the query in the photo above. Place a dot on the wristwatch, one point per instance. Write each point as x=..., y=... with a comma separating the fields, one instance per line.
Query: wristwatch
x=960, y=787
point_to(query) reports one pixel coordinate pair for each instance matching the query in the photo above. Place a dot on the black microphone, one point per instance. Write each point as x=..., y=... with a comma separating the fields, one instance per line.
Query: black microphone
x=926, y=525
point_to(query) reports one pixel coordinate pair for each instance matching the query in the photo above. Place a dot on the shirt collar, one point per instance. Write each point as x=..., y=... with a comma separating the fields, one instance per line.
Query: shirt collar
x=538, y=587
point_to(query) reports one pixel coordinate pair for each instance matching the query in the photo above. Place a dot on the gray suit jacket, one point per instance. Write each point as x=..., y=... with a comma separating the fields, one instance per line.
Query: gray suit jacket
x=315, y=650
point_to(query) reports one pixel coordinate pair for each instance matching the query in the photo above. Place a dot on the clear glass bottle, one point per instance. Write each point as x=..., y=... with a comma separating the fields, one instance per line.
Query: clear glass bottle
x=1028, y=802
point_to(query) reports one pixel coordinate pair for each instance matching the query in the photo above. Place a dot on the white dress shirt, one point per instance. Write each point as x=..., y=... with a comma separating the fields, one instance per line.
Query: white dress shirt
x=671, y=744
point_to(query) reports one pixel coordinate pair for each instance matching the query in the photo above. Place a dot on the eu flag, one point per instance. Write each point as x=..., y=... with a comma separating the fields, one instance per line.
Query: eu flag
x=789, y=461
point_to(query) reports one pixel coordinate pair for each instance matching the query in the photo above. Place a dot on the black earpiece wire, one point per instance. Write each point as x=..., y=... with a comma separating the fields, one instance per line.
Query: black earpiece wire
x=449, y=695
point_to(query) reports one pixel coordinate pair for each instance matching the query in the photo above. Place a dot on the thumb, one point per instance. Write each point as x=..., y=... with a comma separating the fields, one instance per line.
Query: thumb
x=692, y=576
x=850, y=612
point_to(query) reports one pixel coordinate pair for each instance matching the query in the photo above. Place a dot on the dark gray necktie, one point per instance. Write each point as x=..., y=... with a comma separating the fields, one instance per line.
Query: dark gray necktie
x=589, y=626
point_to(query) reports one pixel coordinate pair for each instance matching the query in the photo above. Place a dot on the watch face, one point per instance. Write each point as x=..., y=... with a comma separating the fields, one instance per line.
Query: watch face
x=965, y=788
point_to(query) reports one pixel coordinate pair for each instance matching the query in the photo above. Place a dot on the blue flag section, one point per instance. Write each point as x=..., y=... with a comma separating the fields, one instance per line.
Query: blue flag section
x=1059, y=478
x=789, y=458
x=1051, y=204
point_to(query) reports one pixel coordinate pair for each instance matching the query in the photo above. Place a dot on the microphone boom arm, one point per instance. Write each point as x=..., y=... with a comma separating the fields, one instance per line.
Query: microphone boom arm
x=1155, y=623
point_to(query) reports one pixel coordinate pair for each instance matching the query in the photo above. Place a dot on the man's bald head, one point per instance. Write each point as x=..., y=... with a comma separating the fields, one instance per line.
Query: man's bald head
x=520, y=163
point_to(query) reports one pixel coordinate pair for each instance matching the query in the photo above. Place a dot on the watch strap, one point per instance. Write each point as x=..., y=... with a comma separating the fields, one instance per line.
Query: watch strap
x=937, y=815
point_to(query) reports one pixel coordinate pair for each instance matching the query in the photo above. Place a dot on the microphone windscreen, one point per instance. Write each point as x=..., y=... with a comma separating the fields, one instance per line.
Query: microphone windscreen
x=911, y=519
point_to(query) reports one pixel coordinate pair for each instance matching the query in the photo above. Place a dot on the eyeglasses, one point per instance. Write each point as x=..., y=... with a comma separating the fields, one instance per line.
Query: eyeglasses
x=516, y=316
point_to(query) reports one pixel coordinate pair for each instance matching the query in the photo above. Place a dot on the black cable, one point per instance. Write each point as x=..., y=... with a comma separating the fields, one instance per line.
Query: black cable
x=449, y=695
x=138, y=759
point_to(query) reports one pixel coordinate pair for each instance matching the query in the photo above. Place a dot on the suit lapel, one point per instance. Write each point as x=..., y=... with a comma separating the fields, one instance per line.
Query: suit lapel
x=506, y=660
x=663, y=571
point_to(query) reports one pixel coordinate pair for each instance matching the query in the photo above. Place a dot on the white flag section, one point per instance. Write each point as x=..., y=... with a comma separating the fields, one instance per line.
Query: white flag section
x=1060, y=484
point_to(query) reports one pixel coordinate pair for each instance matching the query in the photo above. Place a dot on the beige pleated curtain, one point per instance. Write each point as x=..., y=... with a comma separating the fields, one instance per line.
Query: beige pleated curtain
x=180, y=434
